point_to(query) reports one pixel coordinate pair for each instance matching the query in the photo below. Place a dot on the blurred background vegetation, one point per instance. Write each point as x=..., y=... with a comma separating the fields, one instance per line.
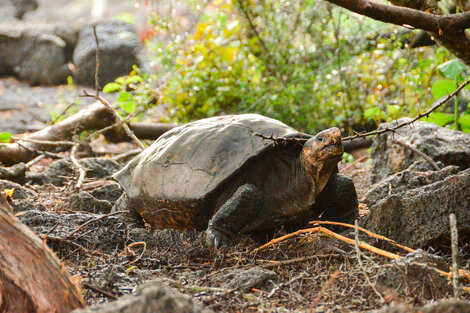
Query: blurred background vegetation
x=307, y=63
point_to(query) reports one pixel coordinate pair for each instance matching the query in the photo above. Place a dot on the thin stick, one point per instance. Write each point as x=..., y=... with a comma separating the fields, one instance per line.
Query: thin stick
x=135, y=244
x=414, y=150
x=94, y=220
x=455, y=254
x=81, y=170
x=419, y=116
x=97, y=60
x=359, y=260
x=344, y=169
x=368, y=232
x=323, y=289
x=118, y=117
x=45, y=142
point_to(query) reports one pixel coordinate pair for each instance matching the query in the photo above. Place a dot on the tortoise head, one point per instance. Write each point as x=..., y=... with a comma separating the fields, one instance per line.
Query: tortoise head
x=321, y=154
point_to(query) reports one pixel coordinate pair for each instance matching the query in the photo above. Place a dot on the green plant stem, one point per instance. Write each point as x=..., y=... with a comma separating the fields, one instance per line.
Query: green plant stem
x=456, y=113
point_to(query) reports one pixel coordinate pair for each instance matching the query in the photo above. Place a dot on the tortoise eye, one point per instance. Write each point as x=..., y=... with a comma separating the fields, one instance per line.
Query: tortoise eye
x=319, y=138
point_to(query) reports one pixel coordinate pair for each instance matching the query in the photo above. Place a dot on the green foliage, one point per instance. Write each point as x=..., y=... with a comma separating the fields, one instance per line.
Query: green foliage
x=307, y=63
x=5, y=137
x=443, y=87
x=453, y=71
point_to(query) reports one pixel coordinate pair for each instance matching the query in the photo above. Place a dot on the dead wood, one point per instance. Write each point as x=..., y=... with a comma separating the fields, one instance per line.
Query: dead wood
x=94, y=117
x=449, y=30
x=143, y=131
x=31, y=278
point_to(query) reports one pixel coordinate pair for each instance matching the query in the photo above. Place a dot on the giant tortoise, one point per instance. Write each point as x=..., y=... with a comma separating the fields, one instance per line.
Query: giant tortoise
x=223, y=174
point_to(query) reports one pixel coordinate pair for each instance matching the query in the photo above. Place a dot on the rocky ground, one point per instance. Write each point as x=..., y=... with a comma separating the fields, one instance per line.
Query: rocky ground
x=402, y=196
x=113, y=258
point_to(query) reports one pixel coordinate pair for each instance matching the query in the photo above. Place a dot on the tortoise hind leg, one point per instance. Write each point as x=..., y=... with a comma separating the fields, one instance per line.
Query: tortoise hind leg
x=238, y=211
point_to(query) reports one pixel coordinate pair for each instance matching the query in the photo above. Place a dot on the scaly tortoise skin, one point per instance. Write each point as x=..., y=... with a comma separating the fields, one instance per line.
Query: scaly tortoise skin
x=215, y=174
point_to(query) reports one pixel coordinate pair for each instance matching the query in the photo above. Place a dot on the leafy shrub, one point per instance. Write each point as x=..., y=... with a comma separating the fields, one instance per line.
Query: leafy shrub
x=307, y=63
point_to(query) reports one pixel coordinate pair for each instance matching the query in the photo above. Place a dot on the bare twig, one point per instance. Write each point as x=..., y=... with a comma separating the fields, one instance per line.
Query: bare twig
x=45, y=142
x=419, y=116
x=127, y=248
x=97, y=60
x=81, y=170
x=253, y=27
x=99, y=290
x=117, y=116
x=344, y=169
x=322, y=291
x=334, y=235
x=368, y=232
x=94, y=220
x=414, y=150
x=455, y=254
x=359, y=260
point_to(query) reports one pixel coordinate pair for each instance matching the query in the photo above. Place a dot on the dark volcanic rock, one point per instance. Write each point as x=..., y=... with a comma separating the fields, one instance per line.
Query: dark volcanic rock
x=58, y=172
x=16, y=8
x=415, y=275
x=406, y=180
x=441, y=144
x=36, y=53
x=152, y=296
x=118, y=51
x=109, y=192
x=85, y=202
x=419, y=216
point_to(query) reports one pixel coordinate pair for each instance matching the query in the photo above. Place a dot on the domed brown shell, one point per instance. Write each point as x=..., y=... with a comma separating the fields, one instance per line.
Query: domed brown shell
x=190, y=161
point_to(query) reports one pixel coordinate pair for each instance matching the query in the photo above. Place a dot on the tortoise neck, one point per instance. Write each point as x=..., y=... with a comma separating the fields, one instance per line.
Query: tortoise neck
x=316, y=173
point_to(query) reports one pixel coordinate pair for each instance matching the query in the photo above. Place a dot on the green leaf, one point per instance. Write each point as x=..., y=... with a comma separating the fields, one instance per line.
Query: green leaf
x=125, y=102
x=111, y=87
x=133, y=79
x=464, y=121
x=440, y=119
x=5, y=137
x=442, y=88
x=393, y=110
x=452, y=69
x=424, y=63
x=129, y=106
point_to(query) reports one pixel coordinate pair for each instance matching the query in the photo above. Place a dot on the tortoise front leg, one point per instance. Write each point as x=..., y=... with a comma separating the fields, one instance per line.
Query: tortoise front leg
x=239, y=210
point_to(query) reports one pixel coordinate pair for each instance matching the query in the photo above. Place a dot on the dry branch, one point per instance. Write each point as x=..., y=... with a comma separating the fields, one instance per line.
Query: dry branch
x=31, y=278
x=448, y=30
x=330, y=233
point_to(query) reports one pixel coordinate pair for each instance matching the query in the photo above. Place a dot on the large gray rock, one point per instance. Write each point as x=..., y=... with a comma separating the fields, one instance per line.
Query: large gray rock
x=36, y=53
x=415, y=275
x=416, y=211
x=118, y=51
x=150, y=297
x=16, y=8
x=441, y=144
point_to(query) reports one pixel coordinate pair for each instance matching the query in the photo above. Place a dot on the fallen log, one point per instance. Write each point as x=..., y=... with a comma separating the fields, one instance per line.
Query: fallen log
x=31, y=277
x=94, y=117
